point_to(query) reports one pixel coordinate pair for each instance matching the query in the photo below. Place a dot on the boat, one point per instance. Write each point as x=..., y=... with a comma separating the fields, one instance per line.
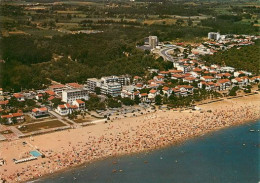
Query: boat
x=252, y=130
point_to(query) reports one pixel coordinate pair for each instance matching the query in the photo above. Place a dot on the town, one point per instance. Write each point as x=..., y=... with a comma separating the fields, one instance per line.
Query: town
x=189, y=82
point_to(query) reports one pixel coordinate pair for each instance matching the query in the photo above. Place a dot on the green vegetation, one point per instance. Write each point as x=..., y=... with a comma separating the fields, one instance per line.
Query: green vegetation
x=13, y=106
x=247, y=58
x=38, y=42
x=113, y=103
x=233, y=91
x=127, y=101
x=198, y=95
x=41, y=126
x=94, y=103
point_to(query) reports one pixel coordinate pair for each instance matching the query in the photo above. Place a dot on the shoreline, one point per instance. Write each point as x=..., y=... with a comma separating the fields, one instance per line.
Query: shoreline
x=85, y=164
x=123, y=125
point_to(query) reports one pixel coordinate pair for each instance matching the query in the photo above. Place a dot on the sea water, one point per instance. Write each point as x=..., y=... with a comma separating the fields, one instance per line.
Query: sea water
x=227, y=156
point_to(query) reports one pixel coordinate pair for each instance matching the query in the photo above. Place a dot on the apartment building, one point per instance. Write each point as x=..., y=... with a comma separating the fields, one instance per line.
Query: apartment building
x=58, y=88
x=214, y=35
x=153, y=41
x=92, y=83
x=113, y=89
x=71, y=95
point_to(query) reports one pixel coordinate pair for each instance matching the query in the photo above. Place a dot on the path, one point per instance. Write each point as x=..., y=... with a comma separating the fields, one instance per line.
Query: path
x=60, y=118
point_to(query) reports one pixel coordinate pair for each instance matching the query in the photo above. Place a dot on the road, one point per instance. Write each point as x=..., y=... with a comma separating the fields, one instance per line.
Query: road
x=165, y=55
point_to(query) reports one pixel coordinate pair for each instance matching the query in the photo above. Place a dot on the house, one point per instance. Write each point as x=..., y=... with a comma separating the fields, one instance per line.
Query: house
x=158, y=78
x=137, y=78
x=255, y=79
x=197, y=69
x=245, y=80
x=167, y=90
x=153, y=85
x=80, y=104
x=224, y=84
x=139, y=86
x=152, y=94
x=144, y=97
x=207, y=78
x=227, y=75
x=207, y=85
x=128, y=91
x=195, y=74
x=39, y=96
x=175, y=71
x=227, y=69
x=19, y=97
x=185, y=89
x=4, y=102
x=176, y=91
x=50, y=93
x=185, y=68
x=153, y=71
x=190, y=79
x=177, y=76
x=13, y=117
x=1, y=91
x=182, y=91
x=164, y=73
x=40, y=112
x=62, y=110
x=66, y=109
x=127, y=94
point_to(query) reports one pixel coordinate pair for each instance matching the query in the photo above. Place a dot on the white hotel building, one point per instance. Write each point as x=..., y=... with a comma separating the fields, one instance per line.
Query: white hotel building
x=92, y=83
x=71, y=95
x=113, y=89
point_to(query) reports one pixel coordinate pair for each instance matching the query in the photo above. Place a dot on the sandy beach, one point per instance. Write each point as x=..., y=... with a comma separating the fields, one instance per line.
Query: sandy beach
x=73, y=147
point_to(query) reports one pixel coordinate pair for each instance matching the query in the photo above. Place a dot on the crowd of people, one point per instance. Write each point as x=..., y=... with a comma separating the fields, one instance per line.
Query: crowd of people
x=142, y=133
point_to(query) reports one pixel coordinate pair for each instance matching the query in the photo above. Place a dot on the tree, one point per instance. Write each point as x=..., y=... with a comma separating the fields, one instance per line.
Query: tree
x=14, y=120
x=56, y=102
x=101, y=106
x=190, y=22
x=233, y=91
x=179, y=22
x=158, y=99
x=137, y=99
x=3, y=120
x=97, y=90
x=127, y=101
x=112, y=103
x=30, y=102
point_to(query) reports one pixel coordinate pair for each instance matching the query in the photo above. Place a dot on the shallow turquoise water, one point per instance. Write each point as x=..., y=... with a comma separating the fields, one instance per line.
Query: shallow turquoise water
x=227, y=156
x=35, y=153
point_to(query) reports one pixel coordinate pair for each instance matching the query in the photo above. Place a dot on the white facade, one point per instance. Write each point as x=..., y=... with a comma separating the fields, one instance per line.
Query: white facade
x=123, y=80
x=92, y=83
x=153, y=41
x=214, y=35
x=113, y=89
x=227, y=69
x=71, y=95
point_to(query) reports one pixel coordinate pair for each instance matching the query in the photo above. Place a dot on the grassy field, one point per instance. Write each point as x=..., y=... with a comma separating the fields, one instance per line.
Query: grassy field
x=6, y=132
x=40, y=126
x=86, y=119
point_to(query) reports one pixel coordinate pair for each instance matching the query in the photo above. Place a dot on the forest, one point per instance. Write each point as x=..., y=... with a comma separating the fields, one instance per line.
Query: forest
x=247, y=58
x=37, y=48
